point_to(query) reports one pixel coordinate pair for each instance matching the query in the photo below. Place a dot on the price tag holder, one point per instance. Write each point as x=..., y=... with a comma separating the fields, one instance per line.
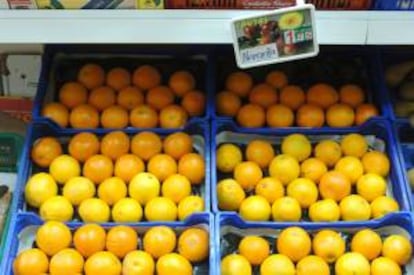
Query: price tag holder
x=277, y=36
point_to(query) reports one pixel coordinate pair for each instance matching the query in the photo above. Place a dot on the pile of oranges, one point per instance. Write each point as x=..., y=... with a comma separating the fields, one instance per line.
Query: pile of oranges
x=92, y=250
x=118, y=98
x=276, y=103
x=322, y=182
x=141, y=175
x=295, y=252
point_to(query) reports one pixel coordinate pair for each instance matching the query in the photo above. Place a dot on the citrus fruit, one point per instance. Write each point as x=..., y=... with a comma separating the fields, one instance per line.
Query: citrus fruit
x=94, y=210
x=286, y=209
x=83, y=146
x=297, y=145
x=385, y=266
x=251, y=116
x=78, y=189
x=146, y=77
x=159, y=240
x=309, y=115
x=263, y=94
x=138, y=262
x=323, y=95
x=397, y=248
x=279, y=115
x=304, y=191
x=127, y=166
x=326, y=210
x=334, y=185
x=230, y=195
x=114, y=117
x=118, y=78
x=193, y=244
x=178, y=144
x=176, y=187
x=91, y=75
x=270, y=188
x=57, y=208
x=239, y=83
x=89, y=239
x=294, y=242
x=328, y=245
x=83, y=117
x=57, y=112
x=162, y=166
x=313, y=169
x=371, y=186
x=255, y=249
x=260, y=151
x=277, y=79
x=121, y=239
x=364, y=112
x=328, y=151
x=146, y=145
x=352, y=95
x=104, y=263
x=194, y=102
x=255, y=208
x=115, y=144
x=228, y=157
x=127, y=210
x=312, y=265
x=130, y=97
x=285, y=168
x=101, y=98
x=292, y=96
x=112, y=190
x=52, y=237
x=248, y=174
x=235, y=264
x=143, y=116
x=193, y=167
x=368, y=243
x=144, y=187
x=350, y=167
x=159, y=97
x=383, y=205
x=227, y=103
x=161, y=209
x=45, y=150
x=66, y=262
x=190, y=205
x=277, y=263
x=354, y=145
x=173, y=264
x=98, y=168
x=63, y=168
x=39, y=188
x=31, y=261
x=352, y=263
x=340, y=115
x=181, y=82
x=355, y=208
x=376, y=162
x=173, y=116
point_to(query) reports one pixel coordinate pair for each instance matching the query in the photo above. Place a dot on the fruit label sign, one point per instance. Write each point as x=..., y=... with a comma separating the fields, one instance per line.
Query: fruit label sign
x=273, y=37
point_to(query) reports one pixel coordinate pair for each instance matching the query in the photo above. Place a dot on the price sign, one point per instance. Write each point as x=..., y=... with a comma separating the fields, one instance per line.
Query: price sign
x=274, y=37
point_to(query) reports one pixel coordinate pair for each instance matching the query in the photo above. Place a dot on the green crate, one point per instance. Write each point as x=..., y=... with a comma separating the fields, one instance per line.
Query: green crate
x=10, y=148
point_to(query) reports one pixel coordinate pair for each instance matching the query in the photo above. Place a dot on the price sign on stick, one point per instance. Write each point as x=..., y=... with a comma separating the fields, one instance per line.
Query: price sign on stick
x=274, y=37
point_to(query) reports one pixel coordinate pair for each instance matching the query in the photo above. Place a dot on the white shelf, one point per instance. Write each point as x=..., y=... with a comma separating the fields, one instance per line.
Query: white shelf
x=188, y=26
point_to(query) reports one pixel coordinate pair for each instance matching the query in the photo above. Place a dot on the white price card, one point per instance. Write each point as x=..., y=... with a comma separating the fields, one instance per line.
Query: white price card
x=273, y=37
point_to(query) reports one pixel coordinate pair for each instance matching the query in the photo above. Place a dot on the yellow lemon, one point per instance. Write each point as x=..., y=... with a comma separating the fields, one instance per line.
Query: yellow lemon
x=63, y=168
x=94, y=210
x=112, y=190
x=285, y=168
x=144, y=187
x=371, y=186
x=78, y=189
x=270, y=189
x=304, y=191
x=355, y=208
x=127, y=210
x=229, y=195
x=297, y=146
x=39, y=188
x=383, y=205
x=255, y=208
x=57, y=208
x=161, y=209
x=326, y=210
x=190, y=205
x=286, y=209
x=227, y=157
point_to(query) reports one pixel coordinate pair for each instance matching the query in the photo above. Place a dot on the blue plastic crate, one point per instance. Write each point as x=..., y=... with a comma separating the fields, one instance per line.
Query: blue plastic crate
x=23, y=228
x=226, y=223
x=358, y=67
x=394, y=4
x=198, y=129
x=380, y=128
x=61, y=63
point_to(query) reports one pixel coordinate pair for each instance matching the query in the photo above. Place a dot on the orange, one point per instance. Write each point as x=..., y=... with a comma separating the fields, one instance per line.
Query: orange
x=260, y=152
x=326, y=210
x=297, y=146
x=368, y=243
x=66, y=262
x=115, y=144
x=397, y=248
x=84, y=116
x=255, y=249
x=194, y=102
x=340, y=115
x=143, y=116
x=227, y=157
x=45, y=150
x=286, y=209
x=56, y=112
x=114, y=117
x=83, y=145
x=328, y=151
x=294, y=242
x=371, y=186
x=130, y=97
x=277, y=263
x=181, y=82
x=190, y=205
x=352, y=263
x=193, y=244
x=159, y=240
x=193, y=167
x=89, y=239
x=376, y=162
x=354, y=145
x=328, y=245
x=98, y=168
x=350, y=167
x=312, y=265
x=127, y=166
x=227, y=104
x=383, y=205
x=146, y=77
x=322, y=95
x=91, y=75
x=270, y=188
x=112, y=190
x=313, y=169
x=334, y=185
x=279, y=115
x=251, y=116
x=103, y=263
x=121, y=239
x=162, y=166
x=118, y=78
x=352, y=95
x=304, y=191
x=233, y=264
x=230, y=195
x=52, y=237
x=31, y=261
x=146, y=145
x=176, y=187
x=309, y=115
x=385, y=266
x=263, y=94
x=73, y=94
x=173, y=116
x=277, y=79
x=364, y=112
x=355, y=208
x=161, y=209
x=255, y=208
x=292, y=96
x=248, y=174
x=240, y=83
x=285, y=168
x=102, y=98
x=159, y=97
x=138, y=262
x=173, y=264
x=178, y=144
